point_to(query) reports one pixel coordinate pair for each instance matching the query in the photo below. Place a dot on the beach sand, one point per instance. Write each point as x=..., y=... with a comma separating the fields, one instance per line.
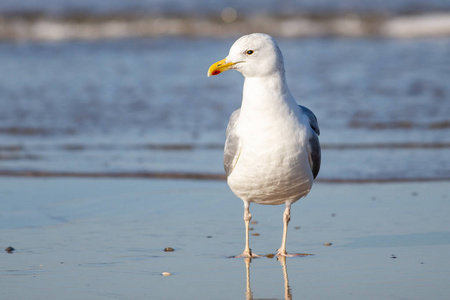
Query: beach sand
x=81, y=238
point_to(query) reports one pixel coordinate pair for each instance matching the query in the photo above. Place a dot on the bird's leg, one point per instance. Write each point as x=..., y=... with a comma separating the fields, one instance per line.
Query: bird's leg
x=247, y=217
x=286, y=219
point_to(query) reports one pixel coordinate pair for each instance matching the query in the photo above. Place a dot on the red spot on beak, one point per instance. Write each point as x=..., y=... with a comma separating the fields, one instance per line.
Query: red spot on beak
x=216, y=72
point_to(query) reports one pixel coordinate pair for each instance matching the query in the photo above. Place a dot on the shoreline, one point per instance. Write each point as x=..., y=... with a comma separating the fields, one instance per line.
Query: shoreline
x=194, y=176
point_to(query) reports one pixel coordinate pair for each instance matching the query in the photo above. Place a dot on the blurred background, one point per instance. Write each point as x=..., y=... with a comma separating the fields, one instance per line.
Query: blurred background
x=119, y=87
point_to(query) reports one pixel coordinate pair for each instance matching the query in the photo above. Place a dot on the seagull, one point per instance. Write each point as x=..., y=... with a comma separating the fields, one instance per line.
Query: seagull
x=272, y=150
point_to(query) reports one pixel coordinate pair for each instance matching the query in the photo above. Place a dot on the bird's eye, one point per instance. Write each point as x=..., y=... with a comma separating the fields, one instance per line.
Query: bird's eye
x=249, y=52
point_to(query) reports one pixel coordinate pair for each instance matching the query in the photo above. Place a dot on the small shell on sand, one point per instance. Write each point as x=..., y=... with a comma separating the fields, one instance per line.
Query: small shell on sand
x=168, y=249
x=166, y=273
x=328, y=244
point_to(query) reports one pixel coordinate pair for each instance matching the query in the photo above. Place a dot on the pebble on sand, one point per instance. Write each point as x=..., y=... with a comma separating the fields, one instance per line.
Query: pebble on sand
x=166, y=273
x=328, y=244
x=9, y=249
x=168, y=249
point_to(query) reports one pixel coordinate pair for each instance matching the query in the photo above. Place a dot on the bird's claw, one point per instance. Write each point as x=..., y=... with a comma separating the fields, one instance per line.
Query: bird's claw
x=248, y=254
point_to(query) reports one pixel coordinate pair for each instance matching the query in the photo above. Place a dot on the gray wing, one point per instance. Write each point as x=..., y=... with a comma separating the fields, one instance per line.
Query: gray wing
x=232, y=145
x=314, y=152
x=312, y=119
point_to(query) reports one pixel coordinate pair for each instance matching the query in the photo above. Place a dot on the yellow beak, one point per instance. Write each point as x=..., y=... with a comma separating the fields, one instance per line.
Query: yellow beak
x=219, y=67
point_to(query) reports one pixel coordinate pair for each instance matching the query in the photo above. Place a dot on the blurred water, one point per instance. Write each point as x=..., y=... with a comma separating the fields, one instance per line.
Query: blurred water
x=146, y=105
x=199, y=7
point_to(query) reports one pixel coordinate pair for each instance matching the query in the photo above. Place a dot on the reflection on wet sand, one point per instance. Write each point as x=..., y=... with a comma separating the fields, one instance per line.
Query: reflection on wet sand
x=287, y=289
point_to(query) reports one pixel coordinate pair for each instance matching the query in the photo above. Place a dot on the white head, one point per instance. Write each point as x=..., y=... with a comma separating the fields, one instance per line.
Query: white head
x=254, y=55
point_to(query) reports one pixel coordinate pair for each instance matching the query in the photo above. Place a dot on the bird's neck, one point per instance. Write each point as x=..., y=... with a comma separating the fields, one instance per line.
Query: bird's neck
x=268, y=110
x=266, y=94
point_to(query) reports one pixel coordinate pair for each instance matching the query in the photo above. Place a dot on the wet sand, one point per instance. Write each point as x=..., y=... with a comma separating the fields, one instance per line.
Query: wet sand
x=85, y=238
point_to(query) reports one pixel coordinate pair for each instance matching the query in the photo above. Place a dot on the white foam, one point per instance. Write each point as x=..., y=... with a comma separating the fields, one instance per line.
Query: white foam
x=350, y=25
x=431, y=25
